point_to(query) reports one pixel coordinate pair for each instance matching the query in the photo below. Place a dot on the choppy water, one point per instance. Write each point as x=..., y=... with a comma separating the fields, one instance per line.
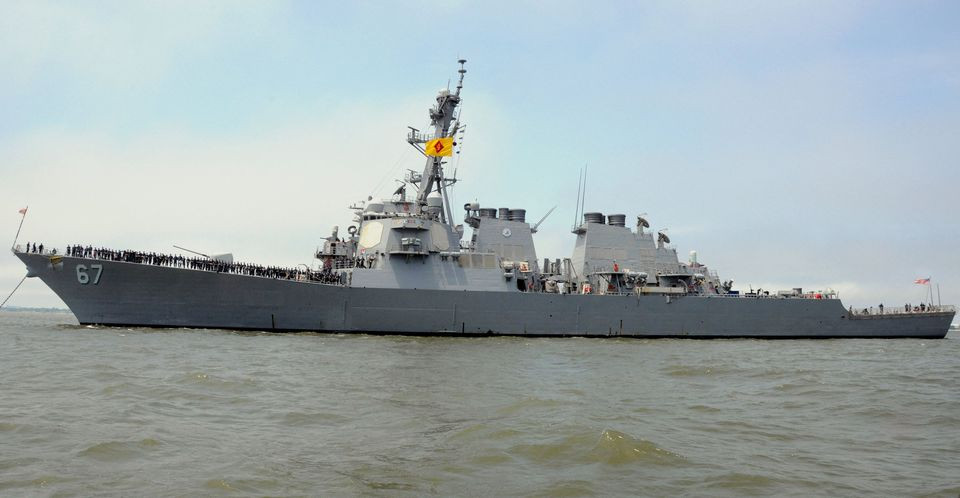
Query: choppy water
x=93, y=411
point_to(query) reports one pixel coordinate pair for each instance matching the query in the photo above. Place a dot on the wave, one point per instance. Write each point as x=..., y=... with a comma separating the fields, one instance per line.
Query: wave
x=117, y=451
x=618, y=448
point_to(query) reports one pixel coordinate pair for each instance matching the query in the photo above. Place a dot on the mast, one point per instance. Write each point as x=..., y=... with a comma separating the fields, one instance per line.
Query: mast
x=445, y=124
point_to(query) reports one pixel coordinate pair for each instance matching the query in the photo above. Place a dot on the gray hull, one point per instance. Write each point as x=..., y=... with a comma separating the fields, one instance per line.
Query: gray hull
x=155, y=296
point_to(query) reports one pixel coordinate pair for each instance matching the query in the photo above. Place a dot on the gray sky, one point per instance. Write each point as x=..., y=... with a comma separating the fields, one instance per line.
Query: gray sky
x=790, y=143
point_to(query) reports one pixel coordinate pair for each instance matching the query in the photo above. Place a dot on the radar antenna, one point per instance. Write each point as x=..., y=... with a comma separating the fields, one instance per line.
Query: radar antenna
x=662, y=237
x=642, y=220
x=462, y=72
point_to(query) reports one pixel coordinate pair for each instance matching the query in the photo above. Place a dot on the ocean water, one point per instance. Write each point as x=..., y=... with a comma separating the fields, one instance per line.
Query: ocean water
x=177, y=412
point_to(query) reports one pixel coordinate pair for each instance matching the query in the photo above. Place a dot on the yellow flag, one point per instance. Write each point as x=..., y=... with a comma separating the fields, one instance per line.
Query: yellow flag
x=440, y=147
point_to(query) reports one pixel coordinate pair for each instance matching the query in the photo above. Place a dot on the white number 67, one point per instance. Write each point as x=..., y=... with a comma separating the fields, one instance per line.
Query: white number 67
x=84, y=278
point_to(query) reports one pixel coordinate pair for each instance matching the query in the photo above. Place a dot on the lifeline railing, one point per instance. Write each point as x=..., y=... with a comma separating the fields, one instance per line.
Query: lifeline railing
x=773, y=296
x=902, y=310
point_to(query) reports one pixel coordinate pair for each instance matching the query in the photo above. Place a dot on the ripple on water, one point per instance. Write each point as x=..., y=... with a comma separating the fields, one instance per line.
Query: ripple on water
x=561, y=451
x=745, y=428
x=950, y=491
x=472, y=432
x=531, y=403
x=568, y=488
x=490, y=459
x=248, y=486
x=41, y=482
x=13, y=463
x=692, y=371
x=391, y=478
x=740, y=484
x=706, y=409
x=219, y=384
x=302, y=419
x=617, y=448
x=612, y=448
x=119, y=451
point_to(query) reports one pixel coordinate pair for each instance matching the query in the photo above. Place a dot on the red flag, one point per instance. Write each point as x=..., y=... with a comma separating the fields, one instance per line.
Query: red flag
x=23, y=211
x=922, y=281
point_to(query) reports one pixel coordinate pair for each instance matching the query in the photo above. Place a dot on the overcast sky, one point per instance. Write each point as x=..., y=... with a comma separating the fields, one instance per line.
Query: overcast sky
x=805, y=143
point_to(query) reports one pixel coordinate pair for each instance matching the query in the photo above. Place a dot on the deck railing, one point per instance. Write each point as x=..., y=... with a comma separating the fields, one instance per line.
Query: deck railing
x=301, y=274
x=902, y=310
x=773, y=296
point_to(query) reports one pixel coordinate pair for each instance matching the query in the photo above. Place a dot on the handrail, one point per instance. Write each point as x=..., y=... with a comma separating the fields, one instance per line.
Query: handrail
x=190, y=263
x=913, y=310
x=822, y=297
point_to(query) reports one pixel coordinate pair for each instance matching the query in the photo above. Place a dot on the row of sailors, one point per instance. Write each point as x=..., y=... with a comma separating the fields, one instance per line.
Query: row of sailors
x=907, y=308
x=178, y=261
x=34, y=249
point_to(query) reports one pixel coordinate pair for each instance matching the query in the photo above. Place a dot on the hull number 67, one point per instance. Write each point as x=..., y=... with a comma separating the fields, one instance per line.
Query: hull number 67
x=83, y=276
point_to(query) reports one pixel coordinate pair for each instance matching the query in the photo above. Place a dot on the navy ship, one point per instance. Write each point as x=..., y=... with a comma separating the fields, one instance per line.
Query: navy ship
x=407, y=267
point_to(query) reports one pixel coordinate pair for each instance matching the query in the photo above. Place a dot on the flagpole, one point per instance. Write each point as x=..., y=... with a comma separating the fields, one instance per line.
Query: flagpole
x=19, y=227
x=14, y=290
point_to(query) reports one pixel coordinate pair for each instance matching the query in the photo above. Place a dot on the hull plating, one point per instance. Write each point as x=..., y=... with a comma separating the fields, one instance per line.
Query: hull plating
x=153, y=296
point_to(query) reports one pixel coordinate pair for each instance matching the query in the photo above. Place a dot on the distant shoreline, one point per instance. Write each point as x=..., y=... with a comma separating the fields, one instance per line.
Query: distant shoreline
x=27, y=308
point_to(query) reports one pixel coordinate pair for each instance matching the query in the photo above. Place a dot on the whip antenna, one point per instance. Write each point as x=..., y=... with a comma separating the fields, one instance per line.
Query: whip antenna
x=576, y=207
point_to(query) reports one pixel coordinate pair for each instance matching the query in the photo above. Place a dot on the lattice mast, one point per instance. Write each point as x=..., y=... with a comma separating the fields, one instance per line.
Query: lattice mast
x=445, y=122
